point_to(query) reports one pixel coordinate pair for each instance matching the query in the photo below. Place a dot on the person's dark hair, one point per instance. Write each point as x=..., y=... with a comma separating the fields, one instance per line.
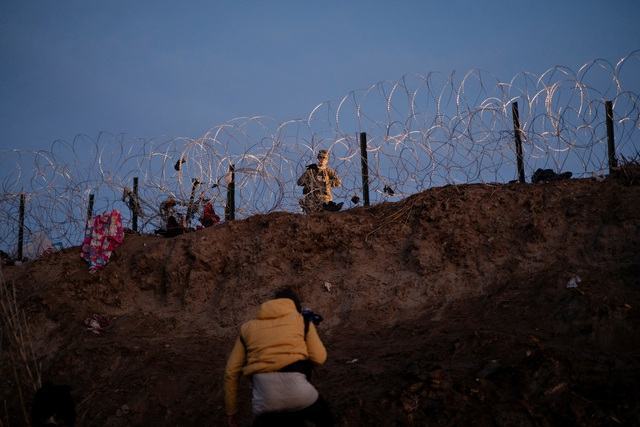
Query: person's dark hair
x=291, y=294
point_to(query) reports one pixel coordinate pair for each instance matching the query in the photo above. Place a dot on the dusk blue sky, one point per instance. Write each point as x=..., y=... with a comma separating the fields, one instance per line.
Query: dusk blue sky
x=177, y=68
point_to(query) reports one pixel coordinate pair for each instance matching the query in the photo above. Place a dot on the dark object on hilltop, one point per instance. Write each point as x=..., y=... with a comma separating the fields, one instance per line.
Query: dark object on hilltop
x=173, y=223
x=173, y=228
x=629, y=170
x=546, y=175
x=332, y=206
x=355, y=200
x=209, y=216
x=388, y=190
x=179, y=163
x=53, y=405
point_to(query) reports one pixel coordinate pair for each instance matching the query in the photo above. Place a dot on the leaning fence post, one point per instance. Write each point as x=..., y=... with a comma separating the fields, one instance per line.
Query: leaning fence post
x=518, y=137
x=21, y=227
x=365, y=167
x=230, y=209
x=134, y=211
x=90, y=208
x=611, y=145
x=191, y=208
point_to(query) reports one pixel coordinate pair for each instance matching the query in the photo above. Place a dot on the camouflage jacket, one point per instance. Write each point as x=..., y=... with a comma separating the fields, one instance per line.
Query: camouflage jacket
x=318, y=182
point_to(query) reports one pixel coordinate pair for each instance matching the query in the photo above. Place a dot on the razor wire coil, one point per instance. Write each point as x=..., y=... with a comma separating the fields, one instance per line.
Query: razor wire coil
x=423, y=131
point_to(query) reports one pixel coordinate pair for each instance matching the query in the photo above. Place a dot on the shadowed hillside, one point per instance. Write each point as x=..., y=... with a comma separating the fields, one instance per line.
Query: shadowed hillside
x=448, y=308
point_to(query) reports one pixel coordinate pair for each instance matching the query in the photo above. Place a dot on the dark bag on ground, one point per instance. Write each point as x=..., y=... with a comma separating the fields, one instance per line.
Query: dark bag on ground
x=541, y=175
x=332, y=206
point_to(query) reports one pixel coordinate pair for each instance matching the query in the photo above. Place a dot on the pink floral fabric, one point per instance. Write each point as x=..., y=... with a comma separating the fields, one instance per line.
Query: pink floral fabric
x=103, y=235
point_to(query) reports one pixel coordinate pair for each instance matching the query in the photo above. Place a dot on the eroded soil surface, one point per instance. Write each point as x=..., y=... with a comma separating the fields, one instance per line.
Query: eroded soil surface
x=448, y=308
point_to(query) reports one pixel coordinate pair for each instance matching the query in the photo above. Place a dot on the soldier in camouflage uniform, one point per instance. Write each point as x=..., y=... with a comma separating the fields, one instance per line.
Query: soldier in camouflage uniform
x=316, y=183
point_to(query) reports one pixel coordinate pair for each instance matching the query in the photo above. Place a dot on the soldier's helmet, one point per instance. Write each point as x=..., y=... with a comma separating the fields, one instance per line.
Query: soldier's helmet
x=323, y=154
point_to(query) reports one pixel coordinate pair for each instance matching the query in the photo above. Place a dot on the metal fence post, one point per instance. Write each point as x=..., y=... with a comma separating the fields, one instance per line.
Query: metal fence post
x=134, y=213
x=230, y=209
x=90, y=209
x=611, y=145
x=518, y=137
x=21, y=227
x=365, y=167
x=191, y=209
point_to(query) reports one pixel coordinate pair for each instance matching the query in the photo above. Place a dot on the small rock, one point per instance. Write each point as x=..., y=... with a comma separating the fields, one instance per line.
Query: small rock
x=573, y=282
x=556, y=389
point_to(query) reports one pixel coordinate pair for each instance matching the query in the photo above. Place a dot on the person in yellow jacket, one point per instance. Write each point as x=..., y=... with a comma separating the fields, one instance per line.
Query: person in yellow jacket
x=277, y=349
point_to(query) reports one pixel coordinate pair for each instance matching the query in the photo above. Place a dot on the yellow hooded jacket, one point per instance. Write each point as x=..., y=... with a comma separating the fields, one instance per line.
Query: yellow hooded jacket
x=268, y=343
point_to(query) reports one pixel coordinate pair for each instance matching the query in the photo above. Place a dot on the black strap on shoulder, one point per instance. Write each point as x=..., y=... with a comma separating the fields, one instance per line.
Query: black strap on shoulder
x=306, y=326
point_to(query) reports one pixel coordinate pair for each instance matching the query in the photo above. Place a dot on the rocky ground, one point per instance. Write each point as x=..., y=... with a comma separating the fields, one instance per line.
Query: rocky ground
x=455, y=306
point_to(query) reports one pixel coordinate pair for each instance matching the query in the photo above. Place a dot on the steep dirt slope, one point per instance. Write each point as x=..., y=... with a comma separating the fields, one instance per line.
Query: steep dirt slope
x=447, y=308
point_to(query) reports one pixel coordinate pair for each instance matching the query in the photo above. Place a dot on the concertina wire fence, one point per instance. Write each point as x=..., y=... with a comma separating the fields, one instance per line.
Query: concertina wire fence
x=423, y=131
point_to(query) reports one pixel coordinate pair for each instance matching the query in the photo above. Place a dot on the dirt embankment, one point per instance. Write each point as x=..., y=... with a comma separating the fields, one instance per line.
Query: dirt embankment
x=450, y=307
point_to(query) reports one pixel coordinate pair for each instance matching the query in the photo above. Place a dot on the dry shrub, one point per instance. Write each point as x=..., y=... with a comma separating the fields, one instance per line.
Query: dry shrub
x=629, y=170
x=16, y=347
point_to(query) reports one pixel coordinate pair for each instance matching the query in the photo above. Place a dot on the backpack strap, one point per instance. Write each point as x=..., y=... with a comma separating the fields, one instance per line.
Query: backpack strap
x=306, y=326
